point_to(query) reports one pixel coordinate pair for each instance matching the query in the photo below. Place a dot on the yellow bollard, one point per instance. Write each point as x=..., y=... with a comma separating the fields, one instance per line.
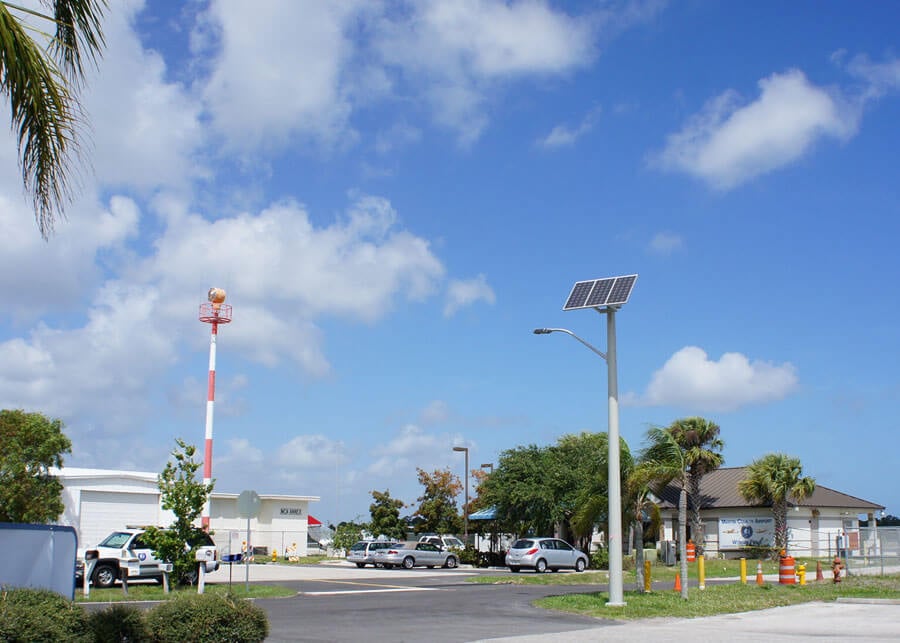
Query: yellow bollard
x=801, y=572
x=743, y=571
x=647, y=582
x=701, y=571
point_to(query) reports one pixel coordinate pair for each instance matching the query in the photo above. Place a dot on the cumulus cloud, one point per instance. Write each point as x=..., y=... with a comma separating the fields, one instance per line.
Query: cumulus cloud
x=563, y=135
x=689, y=379
x=461, y=293
x=730, y=142
x=411, y=447
x=880, y=77
x=665, y=243
x=311, y=452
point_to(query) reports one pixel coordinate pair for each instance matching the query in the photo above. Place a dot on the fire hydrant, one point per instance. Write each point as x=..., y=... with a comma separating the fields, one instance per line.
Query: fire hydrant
x=274, y=555
x=836, y=568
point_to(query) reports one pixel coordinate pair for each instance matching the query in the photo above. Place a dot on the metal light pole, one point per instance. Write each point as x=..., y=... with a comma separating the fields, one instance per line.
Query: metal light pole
x=466, y=507
x=606, y=296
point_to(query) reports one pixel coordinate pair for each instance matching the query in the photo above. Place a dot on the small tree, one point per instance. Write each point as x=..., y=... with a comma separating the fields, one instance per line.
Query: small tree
x=437, y=504
x=185, y=497
x=347, y=533
x=32, y=443
x=385, y=512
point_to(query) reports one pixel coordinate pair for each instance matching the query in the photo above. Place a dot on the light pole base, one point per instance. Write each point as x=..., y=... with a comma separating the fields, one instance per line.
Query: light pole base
x=611, y=604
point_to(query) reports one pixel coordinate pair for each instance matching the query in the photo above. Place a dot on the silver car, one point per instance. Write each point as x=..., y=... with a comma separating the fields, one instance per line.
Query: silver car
x=416, y=555
x=363, y=552
x=541, y=554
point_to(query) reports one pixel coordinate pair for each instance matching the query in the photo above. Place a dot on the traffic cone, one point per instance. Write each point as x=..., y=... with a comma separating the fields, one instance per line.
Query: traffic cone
x=677, y=587
x=759, y=576
x=819, y=574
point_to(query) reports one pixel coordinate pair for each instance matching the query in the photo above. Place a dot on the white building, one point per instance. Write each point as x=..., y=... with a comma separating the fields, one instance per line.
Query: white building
x=99, y=501
x=731, y=523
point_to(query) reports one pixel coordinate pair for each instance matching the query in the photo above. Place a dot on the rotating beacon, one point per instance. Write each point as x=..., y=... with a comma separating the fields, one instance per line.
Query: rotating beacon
x=214, y=312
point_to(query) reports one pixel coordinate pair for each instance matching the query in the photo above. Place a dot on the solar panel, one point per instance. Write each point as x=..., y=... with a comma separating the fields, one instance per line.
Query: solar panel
x=579, y=295
x=597, y=293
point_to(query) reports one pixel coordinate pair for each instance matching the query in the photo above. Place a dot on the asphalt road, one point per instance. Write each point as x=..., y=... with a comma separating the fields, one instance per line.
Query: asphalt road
x=437, y=606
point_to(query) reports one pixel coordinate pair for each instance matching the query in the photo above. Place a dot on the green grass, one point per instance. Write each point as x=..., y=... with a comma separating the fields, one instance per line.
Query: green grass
x=723, y=599
x=154, y=592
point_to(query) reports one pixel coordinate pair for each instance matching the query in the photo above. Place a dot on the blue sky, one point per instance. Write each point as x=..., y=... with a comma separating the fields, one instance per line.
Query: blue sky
x=394, y=194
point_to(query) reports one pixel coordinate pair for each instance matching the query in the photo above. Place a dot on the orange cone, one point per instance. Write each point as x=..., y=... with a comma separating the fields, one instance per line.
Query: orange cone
x=759, y=575
x=677, y=587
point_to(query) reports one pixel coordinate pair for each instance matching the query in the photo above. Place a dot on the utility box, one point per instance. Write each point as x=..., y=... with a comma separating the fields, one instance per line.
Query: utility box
x=668, y=552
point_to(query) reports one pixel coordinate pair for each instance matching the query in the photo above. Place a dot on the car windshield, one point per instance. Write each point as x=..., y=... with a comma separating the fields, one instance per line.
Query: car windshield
x=523, y=544
x=358, y=547
x=455, y=542
x=116, y=540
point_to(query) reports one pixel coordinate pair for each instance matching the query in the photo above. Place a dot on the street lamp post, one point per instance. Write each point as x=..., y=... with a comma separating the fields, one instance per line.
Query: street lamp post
x=466, y=507
x=606, y=296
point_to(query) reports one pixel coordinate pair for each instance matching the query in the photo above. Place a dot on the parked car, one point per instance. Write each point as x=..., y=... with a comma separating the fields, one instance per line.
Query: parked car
x=127, y=543
x=542, y=554
x=444, y=541
x=416, y=555
x=363, y=552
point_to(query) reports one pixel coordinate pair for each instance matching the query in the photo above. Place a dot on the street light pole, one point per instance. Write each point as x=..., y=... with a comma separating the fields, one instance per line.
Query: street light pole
x=466, y=507
x=614, y=482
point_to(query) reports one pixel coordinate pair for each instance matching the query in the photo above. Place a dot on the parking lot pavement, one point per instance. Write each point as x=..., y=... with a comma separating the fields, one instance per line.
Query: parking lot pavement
x=277, y=572
x=845, y=620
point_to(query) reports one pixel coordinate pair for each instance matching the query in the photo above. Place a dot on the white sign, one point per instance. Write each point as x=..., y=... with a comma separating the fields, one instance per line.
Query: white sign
x=737, y=533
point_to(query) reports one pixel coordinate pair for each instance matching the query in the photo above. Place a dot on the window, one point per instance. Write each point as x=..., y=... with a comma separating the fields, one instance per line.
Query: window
x=560, y=544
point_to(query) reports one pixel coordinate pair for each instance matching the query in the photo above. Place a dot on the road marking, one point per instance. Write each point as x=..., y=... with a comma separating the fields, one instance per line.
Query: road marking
x=371, y=591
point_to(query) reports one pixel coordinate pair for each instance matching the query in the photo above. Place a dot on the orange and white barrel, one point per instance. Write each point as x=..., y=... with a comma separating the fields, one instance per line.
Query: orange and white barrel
x=786, y=571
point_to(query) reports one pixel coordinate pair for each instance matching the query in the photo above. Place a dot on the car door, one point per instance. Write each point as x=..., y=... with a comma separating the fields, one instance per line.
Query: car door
x=565, y=553
x=428, y=554
x=149, y=562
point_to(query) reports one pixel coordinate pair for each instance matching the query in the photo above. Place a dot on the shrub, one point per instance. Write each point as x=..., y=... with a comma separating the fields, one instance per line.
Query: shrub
x=119, y=623
x=207, y=618
x=600, y=559
x=38, y=615
x=469, y=556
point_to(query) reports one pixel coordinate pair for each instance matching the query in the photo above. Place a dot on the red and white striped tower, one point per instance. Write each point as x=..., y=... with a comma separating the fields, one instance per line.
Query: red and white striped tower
x=213, y=312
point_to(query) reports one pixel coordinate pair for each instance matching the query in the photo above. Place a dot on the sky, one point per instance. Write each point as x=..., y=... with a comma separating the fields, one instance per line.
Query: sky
x=395, y=194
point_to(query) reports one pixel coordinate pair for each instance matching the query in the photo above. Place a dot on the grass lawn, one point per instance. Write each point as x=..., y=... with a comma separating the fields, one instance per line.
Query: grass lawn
x=154, y=592
x=723, y=599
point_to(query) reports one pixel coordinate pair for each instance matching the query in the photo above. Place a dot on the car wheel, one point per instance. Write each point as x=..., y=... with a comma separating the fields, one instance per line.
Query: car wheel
x=408, y=562
x=580, y=565
x=360, y=565
x=451, y=562
x=105, y=575
x=514, y=570
x=541, y=566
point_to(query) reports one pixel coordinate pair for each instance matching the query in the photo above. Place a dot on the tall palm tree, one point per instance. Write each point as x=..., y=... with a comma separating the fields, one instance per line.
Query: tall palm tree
x=776, y=479
x=699, y=440
x=636, y=500
x=664, y=461
x=40, y=77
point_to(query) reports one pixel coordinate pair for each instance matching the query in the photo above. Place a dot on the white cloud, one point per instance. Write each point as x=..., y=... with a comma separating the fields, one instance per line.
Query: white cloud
x=435, y=413
x=665, y=243
x=729, y=143
x=311, y=452
x=465, y=293
x=562, y=135
x=412, y=447
x=881, y=78
x=689, y=379
x=276, y=71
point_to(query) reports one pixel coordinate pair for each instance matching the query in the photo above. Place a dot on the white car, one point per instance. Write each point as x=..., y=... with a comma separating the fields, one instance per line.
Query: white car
x=541, y=554
x=444, y=542
x=127, y=544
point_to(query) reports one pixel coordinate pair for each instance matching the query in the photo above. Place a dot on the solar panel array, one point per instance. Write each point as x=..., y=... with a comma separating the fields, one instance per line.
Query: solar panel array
x=597, y=293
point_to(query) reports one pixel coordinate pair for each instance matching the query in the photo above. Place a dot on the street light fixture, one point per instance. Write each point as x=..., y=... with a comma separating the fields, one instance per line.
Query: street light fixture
x=466, y=507
x=606, y=296
x=488, y=465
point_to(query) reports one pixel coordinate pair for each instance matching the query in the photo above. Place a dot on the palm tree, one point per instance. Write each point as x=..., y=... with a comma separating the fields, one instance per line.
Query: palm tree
x=776, y=479
x=636, y=499
x=663, y=461
x=41, y=79
x=702, y=447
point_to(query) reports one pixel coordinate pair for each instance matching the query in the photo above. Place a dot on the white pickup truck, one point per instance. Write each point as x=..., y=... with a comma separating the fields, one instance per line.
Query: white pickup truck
x=126, y=545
